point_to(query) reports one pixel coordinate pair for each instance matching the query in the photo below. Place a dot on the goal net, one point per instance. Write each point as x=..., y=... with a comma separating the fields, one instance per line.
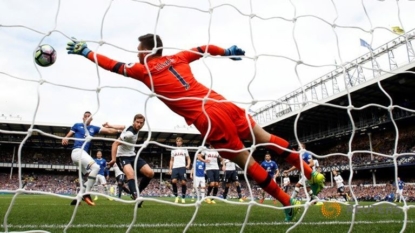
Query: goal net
x=300, y=56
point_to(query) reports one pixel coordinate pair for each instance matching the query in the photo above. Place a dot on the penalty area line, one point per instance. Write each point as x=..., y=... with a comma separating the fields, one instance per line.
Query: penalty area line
x=160, y=225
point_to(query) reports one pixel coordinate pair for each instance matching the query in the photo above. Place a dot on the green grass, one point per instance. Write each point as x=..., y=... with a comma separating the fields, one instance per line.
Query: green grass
x=40, y=212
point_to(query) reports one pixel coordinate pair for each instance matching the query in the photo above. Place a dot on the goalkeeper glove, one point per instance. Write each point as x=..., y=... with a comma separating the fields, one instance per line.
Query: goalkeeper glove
x=234, y=51
x=78, y=47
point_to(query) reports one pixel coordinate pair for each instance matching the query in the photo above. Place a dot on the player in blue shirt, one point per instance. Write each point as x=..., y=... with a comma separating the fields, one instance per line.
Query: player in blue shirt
x=308, y=159
x=399, y=190
x=198, y=178
x=103, y=174
x=80, y=150
x=272, y=168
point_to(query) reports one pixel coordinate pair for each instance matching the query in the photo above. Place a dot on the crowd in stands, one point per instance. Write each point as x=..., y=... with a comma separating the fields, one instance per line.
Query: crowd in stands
x=66, y=185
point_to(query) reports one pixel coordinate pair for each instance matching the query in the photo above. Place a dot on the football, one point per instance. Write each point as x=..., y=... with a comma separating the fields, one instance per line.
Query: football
x=45, y=55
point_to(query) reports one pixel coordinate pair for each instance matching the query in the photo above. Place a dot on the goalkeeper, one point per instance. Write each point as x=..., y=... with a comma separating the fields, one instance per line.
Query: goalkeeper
x=171, y=77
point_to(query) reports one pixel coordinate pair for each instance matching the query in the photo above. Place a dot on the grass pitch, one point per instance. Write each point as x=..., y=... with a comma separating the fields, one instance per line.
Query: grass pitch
x=52, y=214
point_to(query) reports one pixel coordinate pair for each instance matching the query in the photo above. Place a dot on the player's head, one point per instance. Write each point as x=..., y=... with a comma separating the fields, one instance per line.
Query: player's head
x=267, y=156
x=99, y=154
x=147, y=43
x=139, y=121
x=179, y=141
x=335, y=172
x=285, y=174
x=398, y=178
x=87, y=117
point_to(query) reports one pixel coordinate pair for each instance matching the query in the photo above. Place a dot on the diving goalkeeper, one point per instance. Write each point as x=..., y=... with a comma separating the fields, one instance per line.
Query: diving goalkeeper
x=171, y=76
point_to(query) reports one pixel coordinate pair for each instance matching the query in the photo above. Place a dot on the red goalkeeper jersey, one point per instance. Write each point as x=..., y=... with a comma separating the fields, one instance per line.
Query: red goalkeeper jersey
x=171, y=77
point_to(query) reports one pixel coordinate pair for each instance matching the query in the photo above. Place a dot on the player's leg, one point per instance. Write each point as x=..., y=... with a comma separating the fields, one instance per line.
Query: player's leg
x=209, y=174
x=235, y=180
x=202, y=183
x=87, y=164
x=227, y=184
x=126, y=165
x=183, y=182
x=230, y=124
x=174, y=176
x=215, y=182
x=147, y=173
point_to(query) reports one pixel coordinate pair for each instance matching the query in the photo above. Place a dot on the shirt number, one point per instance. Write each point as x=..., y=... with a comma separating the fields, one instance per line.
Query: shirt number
x=179, y=77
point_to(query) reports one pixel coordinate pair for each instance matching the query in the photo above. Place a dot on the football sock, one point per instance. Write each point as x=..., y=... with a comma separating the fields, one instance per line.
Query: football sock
x=225, y=193
x=143, y=183
x=131, y=186
x=264, y=181
x=292, y=158
x=174, y=189
x=295, y=192
x=238, y=190
x=209, y=190
x=215, y=191
x=184, y=188
x=202, y=192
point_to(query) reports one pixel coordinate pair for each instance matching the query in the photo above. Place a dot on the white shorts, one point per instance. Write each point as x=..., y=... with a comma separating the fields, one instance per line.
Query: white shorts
x=199, y=181
x=399, y=191
x=100, y=180
x=80, y=156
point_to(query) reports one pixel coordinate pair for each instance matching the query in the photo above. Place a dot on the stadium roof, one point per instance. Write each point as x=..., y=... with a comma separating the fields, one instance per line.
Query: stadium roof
x=327, y=121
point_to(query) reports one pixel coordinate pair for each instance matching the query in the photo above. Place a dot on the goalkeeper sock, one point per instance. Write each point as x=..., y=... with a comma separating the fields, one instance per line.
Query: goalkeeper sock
x=184, y=188
x=209, y=190
x=238, y=190
x=266, y=182
x=295, y=192
x=131, y=186
x=174, y=189
x=215, y=191
x=143, y=183
x=292, y=158
x=225, y=193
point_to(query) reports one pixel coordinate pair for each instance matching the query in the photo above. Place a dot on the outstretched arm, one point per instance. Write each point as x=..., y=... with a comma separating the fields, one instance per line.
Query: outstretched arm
x=108, y=125
x=133, y=70
x=213, y=50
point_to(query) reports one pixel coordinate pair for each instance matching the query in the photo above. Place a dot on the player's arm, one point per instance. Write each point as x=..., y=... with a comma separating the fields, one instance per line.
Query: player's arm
x=134, y=70
x=114, y=149
x=277, y=173
x=195, y=53
x=191, y=173
x=200, y=157
x=108, y=125
x=171, y=164
x=105, y=130
x=224, y=162
x=188, y=160
x=290, y=169
x=65, y=140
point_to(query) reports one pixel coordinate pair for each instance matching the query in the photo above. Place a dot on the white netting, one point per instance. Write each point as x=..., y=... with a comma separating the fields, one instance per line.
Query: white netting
x=319, y=20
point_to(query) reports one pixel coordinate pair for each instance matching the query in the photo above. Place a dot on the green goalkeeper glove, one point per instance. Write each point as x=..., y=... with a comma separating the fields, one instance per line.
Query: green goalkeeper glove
x=78, y=47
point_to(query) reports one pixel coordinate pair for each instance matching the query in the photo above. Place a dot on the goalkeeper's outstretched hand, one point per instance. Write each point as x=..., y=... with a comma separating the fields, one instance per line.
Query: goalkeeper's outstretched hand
x=77, y=47
x=234, y=51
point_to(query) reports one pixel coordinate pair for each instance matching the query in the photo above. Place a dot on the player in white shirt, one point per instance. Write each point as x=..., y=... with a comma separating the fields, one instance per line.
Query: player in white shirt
x=125, y=156
x=339, y=184
x=179, y=163
x=231, y=176
x=211, y=158
x=286, y=182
